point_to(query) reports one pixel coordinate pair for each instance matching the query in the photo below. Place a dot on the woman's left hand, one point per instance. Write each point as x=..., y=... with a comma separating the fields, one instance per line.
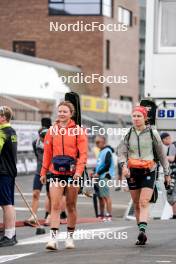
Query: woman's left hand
x=76, y=176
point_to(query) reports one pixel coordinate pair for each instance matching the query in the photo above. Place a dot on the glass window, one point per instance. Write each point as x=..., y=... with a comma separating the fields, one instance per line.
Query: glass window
x=168, y=24
x=126, y=98
x=25, y=47
x=107, y=94
x=74, y=7
x=107, y=8
x=107, y=54
x=124, y=16
x=80, y=7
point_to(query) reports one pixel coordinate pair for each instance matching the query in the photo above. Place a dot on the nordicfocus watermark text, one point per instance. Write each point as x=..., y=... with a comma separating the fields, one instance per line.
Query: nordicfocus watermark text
x=95, y=77
x=80, y=26
x=88, y=131
x=94, y=234
x=89, y=183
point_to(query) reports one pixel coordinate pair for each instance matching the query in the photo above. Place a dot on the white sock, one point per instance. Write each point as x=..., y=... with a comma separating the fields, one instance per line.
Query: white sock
x=54, y=235
x=10, y=232
x=70, y=235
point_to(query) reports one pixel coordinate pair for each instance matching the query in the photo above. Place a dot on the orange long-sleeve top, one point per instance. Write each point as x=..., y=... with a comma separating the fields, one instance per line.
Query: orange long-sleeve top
x=59, y=141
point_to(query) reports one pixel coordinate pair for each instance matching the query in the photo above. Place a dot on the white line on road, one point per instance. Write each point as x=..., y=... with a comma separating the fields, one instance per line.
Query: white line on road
x=22, y=209
x=163, y=261
x=13, y=257
x=29, y=194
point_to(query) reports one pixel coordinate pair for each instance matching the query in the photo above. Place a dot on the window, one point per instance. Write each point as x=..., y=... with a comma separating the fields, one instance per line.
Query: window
x=167, y=25
x=80, y=7
x=126, y=98
x=25, y=47
x=107, y=54
x=125, y=16
x=107, y=92
x=107, y=8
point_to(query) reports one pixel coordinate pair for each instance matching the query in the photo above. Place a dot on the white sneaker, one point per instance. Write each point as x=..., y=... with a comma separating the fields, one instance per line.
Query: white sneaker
x=69, y=243
x=52, y=245
x=31, y=220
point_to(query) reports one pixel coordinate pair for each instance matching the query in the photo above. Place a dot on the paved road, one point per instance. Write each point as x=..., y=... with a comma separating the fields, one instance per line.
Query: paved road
x=161, y=247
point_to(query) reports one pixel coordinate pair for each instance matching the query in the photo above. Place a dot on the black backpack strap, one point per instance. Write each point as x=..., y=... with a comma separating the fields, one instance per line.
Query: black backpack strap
x=168, y=151
x=155, y=154
x=153, y=146
x=128, y=135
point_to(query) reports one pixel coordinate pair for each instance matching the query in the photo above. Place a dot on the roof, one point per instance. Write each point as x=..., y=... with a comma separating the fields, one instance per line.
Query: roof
x=50, y=63
x=29, y=79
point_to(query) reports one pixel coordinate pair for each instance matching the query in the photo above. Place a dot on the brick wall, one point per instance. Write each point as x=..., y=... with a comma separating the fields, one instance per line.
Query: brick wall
x=29, y=20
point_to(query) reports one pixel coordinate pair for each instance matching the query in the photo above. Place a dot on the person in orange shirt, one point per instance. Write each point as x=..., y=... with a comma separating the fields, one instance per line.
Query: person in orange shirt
x=65, y=157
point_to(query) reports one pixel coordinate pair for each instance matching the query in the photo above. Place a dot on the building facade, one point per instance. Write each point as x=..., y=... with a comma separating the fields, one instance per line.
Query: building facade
x=37, y=28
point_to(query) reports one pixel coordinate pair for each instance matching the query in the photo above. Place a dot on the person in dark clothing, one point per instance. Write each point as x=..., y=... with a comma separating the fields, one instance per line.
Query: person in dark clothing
x=38, y=149
x=8, y=172
x=104, y=171
x=170, y=150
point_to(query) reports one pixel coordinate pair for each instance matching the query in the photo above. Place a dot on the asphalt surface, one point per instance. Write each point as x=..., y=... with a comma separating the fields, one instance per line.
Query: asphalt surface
x=105, y=242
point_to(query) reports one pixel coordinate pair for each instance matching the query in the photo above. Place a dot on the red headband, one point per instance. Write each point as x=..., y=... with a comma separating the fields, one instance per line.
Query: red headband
x=142, y=110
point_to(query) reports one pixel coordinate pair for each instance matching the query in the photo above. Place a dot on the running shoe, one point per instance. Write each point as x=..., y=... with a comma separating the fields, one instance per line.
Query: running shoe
x=52, y=245
x=101, y=217
x=109, y=218
x=142, y=238
x=31, y=220
x=69, y=243
x=7, y=242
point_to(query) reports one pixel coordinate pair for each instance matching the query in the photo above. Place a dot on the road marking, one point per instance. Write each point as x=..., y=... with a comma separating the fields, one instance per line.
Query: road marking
x=26, y=209
x=6, y=258
x=163, y=261
x=62, y=235
x=29, y=194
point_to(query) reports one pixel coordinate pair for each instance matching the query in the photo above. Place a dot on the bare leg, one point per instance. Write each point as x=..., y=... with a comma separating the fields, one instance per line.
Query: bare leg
x=145, y=196
x=9, y=216
x=135, y=194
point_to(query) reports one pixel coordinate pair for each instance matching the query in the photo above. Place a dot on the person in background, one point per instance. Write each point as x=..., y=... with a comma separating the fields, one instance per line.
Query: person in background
x=104, y=171
x=8, y=172
x=38, y=148
x=170, y=151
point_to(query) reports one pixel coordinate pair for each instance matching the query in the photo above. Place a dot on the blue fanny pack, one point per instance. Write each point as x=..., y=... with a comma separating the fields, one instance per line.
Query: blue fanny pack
x=64, y=164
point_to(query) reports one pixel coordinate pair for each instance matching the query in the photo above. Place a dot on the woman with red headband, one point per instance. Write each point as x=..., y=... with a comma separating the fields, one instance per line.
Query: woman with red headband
x=138, y=153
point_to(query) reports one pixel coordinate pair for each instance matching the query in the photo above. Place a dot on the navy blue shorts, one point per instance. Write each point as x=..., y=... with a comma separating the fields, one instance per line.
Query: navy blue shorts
x=7, y=187
x=37, y=185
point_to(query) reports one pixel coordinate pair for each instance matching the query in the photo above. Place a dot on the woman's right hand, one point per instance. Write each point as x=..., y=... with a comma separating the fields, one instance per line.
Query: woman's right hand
x=43, y=179
x=125, y=171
